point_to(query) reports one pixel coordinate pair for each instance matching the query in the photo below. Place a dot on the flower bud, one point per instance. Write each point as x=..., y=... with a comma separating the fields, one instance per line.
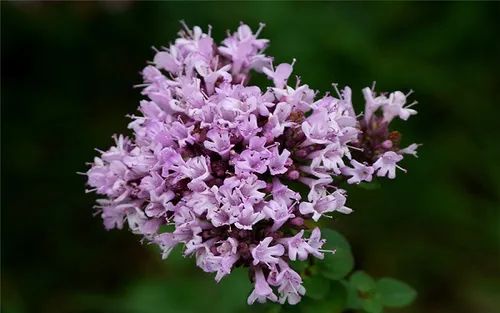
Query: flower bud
x=297, y=221
x=387, y=144
x=293, y=175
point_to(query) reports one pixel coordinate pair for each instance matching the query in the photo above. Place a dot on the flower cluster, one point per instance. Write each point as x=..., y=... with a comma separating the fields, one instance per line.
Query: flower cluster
x=215, y=157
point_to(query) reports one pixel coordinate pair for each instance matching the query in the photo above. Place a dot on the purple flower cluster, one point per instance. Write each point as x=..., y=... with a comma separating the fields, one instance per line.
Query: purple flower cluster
x=214, y=157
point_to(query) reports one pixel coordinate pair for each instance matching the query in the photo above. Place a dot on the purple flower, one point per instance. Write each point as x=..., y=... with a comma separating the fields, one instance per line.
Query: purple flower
x=277, y=121
x=297, y=247
x=386, y=164
x=220, y=142
x=228, y=256
x=359, y=173
x=248, y=217
x=250, y=161
x=316, y=243
x=279, y=213
x=169, y=60
x=278, y=161
x=282, y=194
x=372, y=103
x=281, y=74
x=221, y=161
x=262, y=253
x=395, y=107
x=411, y=149
x=261, y=290
x=330, y=157
x=290, y=285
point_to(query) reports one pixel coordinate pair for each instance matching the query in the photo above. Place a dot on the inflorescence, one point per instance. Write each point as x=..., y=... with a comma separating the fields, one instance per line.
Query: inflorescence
x=214, y=158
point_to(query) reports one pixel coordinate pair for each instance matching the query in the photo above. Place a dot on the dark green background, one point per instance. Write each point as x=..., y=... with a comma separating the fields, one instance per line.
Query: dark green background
x=67, y=76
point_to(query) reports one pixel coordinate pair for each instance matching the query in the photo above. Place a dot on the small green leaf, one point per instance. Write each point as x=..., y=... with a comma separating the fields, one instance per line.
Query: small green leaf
x=333, y=303
x=371, y=305
x=395, y=293
x=361, y=281
x=334, y=240
x=317, y=287
x=353, y=300
x=336, y=265
x=299, y=266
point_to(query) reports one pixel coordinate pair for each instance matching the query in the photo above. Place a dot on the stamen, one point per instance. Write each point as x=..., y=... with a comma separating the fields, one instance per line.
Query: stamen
x=261, y=27
x=355, y=148
x=276, y=144
x=135, y=117
x=298, y=81
x=328, y=251
x=154, y=49
x=337, y=90
x=186, y=28
x=410, y=105
x=404, y=170
x=204, y=94
x=373, y=86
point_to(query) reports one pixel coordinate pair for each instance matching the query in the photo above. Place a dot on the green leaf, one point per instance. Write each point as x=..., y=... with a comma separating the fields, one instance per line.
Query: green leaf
x=361, y=281
x=371, y=305
x=334, y=240
x=338, y=265
x=317, y=287
x=395, y=293
x=333, y=303
x=299, y=266
x=353, y=300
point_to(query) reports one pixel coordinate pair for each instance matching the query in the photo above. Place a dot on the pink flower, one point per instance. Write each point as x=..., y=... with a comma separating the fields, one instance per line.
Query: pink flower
x=281, y=74
x=386, y=164
x=359, y=173
x=221, y=162
x=278, y=161
x=261, y=291
x=262, y=253
x=297, y=247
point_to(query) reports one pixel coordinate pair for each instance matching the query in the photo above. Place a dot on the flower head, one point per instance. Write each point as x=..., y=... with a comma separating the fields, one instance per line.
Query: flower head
x=225, y=162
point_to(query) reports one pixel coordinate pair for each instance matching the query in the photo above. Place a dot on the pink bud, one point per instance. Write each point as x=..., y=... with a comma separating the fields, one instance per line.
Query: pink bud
x=387, y=144
x=297, y=221
x=293, y=175
x=301, y=153
x=269, y=187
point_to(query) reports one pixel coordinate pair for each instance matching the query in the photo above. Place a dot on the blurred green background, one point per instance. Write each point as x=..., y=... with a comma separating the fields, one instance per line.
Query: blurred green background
x=67, y=75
